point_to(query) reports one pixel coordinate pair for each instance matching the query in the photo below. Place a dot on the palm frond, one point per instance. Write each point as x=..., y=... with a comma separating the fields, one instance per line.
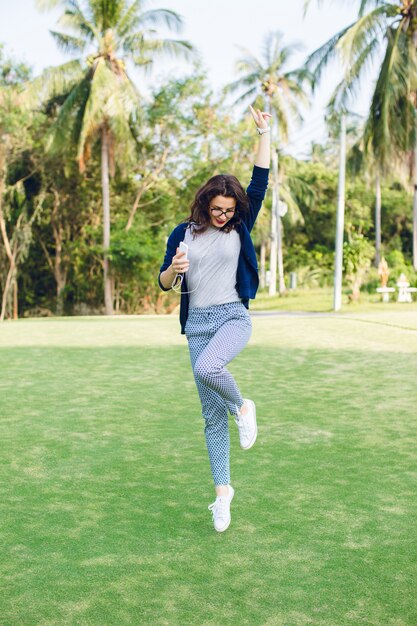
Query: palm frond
x=301, y=77
x=365, y=29
x=248, y=95
x=368, y=3
x=363, y=4
x=294, y=90
x=392, y=121
x=53, y=82
x=320, y=58
x=270, y=81
x=280, y=108
x=111, y=101
x=250, y=80
x=300, y=189
x=128, y=20
x=47, y=5
x=67, y=43
x=248, y=63
x=64, y=132
x=271, y=47
x=144, y=51
x=75, y=20
x=356, y=159
x=350, y=83
x=282, y=56
x=106, y=13
x=305, y=6
x=171, y=19
x=287, y=195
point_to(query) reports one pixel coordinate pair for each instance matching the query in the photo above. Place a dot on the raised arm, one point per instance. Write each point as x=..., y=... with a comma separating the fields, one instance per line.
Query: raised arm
x=263, y=155
x=259, y=182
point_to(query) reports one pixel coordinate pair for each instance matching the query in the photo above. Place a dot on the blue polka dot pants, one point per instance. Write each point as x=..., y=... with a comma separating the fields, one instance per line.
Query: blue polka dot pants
x=216, y=334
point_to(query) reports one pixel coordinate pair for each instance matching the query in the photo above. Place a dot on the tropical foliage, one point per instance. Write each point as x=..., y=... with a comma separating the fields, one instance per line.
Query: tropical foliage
x=384, y=33
x=99, y=101
x=80, y=137
x=271, y=85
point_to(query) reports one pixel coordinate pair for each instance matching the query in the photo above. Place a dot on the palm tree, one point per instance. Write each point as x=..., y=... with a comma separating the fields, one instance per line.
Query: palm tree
x=363, y=161
x=280, y=92
x=389, y=28
x=292, y=190
x=101, y=102
x=360, y=160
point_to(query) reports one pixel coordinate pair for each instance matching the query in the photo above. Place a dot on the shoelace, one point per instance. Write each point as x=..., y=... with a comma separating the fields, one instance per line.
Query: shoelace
x=243, y=424
x=218, y=507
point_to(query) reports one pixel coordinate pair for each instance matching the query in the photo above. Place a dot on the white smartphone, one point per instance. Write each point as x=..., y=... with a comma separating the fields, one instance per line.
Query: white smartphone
x=184, y=248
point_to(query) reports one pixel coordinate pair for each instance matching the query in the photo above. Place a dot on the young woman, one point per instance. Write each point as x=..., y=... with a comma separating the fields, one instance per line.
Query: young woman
x=217, y=275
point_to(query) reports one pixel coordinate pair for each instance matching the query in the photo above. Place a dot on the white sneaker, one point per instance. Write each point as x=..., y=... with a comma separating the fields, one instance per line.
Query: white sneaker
x=221, y=511
x=246, y=424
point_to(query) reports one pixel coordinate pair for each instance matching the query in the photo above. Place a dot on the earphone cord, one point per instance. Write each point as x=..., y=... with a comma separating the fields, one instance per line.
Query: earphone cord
x=177, y=286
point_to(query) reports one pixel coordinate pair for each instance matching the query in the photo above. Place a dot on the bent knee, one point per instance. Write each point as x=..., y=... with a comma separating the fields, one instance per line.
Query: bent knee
x=206, y=372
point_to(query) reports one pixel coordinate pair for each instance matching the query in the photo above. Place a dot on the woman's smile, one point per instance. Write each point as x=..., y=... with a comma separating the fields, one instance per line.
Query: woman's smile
x=225, y=207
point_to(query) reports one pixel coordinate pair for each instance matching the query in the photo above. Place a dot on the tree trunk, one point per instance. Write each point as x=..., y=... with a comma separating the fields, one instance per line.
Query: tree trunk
x=415, y=210
x=60, y=275
x=273, y=260
x=6, y=290
x=262, y=269
x=15, y=304
x=59, y=272
x=276, y=264
x=414, y=16
x=337, y=294
x=377, y=219
x=108, y=299
x=273, y=250
x=6, y=242
x=281, y=281
x=147, y=184
x=116, y=297
x=13, y=247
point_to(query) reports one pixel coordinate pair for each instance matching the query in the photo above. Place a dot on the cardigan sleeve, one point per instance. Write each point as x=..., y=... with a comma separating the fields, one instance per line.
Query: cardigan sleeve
x=169, y=253
x=173, y=242
x=256, y=194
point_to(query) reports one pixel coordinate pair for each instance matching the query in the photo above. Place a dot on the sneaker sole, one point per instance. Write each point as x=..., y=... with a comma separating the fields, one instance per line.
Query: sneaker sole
x=256, y=429
x=218, y=530
x=226, y=527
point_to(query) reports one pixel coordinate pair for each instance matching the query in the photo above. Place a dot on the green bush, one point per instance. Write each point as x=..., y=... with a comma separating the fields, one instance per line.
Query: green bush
x=371, y=281
x=357, y=255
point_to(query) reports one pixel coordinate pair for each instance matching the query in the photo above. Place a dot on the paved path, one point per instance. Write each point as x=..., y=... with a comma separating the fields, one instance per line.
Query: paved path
x=294, y=313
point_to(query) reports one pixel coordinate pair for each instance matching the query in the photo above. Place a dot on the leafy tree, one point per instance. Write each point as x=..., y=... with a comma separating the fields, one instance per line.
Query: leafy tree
x=188, y=136
x=18, y=208
x=391, y=128
x=281, y=92
x=101, y=101
x=12, y=72
x=357, y=256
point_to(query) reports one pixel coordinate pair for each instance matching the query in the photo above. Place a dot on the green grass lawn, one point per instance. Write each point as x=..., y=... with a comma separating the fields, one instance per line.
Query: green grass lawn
x=106, y=481
x=321, y=299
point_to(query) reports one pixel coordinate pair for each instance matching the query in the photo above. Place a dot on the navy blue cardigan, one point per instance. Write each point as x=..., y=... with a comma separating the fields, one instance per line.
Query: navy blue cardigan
x=247, y=279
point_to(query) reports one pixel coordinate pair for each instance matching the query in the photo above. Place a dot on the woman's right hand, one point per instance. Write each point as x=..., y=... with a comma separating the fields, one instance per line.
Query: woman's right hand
x=260, y=118
x=179, y=264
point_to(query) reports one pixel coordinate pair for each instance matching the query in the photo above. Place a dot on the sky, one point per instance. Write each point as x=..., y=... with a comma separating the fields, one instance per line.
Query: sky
x=217, y=28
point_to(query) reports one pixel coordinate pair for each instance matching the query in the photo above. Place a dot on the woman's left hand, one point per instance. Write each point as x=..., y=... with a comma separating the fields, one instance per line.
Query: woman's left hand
x=260, y=117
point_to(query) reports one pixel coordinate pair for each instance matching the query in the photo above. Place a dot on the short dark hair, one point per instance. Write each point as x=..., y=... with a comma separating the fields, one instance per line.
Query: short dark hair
x=221, y=185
